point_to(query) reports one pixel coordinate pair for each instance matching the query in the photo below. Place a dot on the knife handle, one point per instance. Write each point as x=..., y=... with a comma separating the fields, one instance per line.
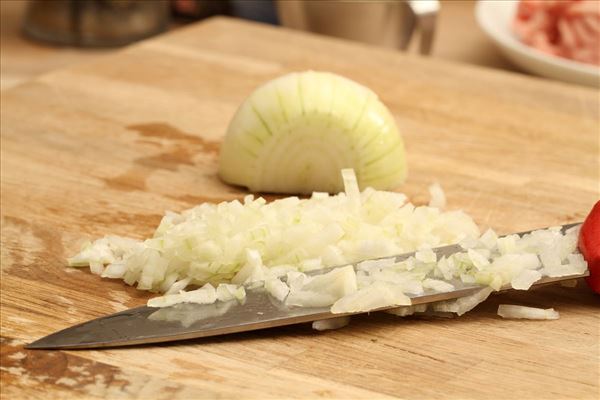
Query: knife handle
x=589, y=245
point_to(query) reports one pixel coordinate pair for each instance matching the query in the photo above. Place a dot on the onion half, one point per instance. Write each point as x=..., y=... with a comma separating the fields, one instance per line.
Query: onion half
x=294, y=133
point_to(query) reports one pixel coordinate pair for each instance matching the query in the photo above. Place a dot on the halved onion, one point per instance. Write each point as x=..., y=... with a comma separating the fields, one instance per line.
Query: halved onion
x=294, y=133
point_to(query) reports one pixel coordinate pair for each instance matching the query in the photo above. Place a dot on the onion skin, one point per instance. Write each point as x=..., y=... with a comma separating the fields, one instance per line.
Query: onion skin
x=589, y=245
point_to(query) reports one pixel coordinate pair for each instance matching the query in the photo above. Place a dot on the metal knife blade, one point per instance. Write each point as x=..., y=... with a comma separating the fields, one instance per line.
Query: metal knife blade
x=144, y=325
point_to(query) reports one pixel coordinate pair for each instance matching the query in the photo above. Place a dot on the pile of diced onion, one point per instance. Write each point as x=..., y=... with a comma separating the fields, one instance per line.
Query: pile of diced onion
x=226, y=248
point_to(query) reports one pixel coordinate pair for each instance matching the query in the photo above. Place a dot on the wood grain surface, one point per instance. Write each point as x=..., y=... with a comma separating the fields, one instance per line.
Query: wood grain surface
x=106, y=147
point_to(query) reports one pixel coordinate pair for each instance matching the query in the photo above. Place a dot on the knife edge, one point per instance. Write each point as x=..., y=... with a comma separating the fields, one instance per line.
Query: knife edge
x=110, y=331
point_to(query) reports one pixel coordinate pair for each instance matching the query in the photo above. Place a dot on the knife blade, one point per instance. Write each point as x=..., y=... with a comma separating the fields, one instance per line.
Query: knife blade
x=145, y=325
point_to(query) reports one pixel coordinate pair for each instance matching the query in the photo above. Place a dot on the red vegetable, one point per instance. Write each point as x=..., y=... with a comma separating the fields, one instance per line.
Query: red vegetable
x=589, y=244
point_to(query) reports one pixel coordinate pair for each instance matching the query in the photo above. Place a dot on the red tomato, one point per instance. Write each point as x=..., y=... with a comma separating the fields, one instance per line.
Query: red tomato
x=589, y=244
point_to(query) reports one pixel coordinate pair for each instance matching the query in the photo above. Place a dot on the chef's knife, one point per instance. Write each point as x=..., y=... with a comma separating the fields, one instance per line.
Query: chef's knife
x=145, y=325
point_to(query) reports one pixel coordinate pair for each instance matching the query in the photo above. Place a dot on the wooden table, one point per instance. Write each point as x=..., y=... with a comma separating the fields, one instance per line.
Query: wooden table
x=106, y=147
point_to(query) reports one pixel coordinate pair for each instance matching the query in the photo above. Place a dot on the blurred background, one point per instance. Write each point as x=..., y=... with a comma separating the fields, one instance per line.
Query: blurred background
x=42, y=35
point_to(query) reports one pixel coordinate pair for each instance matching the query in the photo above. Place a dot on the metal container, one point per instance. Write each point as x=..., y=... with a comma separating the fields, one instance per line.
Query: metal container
x=95, y=23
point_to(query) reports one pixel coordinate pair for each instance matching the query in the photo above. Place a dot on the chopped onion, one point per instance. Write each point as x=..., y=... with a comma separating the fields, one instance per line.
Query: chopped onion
x=489, y=239
x=525, y=279
x=104, y=251
x=331, y=323
x=294, y=134
x=189, y=314
x=324, y=290
x=178, y=286
x=407, y=310
x=463, y=304
x=521, y=312
x=351, y=189
x=376, y=295
x=253, y=241
x=277, y=288
x=368, y=265
x=438, y=197
x=437, y=285
x=114, y=270
x=386, y=282
x=252, y=271
x=296, y=280
x=226, y=292
x=426, y=256
x=478, y=259
x=205, y=295
x=256, y=244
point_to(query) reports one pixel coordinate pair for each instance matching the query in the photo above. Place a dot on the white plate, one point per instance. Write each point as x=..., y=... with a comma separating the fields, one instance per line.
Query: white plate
x=495, y=18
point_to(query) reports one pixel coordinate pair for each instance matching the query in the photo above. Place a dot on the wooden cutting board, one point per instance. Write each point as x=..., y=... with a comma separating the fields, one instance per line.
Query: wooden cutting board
x=107, y=147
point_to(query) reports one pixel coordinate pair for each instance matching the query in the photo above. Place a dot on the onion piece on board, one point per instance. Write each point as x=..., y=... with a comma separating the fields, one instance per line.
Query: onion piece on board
x=522, y=312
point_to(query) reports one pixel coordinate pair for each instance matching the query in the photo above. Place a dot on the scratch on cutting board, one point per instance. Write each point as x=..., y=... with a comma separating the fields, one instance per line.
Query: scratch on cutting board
x=67, y=381
x=12, y=341
x=79, y=369
x=17, y=356
x=17, y=371
x=120, y=300
x=121, y=297
x=22, y=375
x=19, y=320
x=117, y=307
x=72, y=311
x=64, y=300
